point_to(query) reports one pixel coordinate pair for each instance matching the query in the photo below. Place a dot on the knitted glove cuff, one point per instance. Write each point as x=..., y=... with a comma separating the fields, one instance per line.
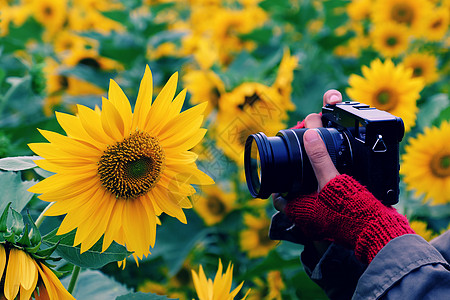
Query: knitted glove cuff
x=373, y=224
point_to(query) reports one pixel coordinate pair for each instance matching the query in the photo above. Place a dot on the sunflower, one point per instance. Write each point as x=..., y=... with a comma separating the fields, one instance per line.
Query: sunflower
x=219, y=289
x=229, y=24
x=255, y=239
x=426, y=164
x=90, y=58
x=80, y=19
x=423, y=65
x=66, y=41
x=437, y=24
x=214, y=204
x=359, y=10
x=204, y=85
x=268, y=288
x=421, y=229
x=412, y=13
x=50, y=13
x=390, y=39
x=20, y=275
x=285, y=76
x=249, y=108
x=388, y=87
x=116, y=171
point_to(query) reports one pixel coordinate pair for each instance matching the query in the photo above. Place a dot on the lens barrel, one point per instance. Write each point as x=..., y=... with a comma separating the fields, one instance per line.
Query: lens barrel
x=279, y=164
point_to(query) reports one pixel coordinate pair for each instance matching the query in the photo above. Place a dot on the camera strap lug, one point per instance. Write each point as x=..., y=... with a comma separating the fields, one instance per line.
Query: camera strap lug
x=379, y=145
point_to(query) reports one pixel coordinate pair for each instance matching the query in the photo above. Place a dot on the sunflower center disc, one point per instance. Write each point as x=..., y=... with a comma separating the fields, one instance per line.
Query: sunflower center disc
x=385, y=100
x=132, y=167
x=440, y=164
x=215, y=206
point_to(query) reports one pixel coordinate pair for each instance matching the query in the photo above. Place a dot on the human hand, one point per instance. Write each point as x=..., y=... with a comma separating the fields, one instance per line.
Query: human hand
x=323, y=167
x=342, y=210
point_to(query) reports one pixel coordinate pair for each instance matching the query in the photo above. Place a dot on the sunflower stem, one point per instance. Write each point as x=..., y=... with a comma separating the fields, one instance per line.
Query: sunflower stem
x=74, y=278
x=41, y=217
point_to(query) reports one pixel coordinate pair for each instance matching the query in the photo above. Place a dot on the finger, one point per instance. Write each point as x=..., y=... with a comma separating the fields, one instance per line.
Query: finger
x=279, y=202
x=313, y=121
x=332, y=97
x=321, y=162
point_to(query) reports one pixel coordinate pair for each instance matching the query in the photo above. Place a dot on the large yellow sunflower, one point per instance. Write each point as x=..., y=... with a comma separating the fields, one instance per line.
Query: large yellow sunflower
x=424, y=65
x=412, y=13
x=20, y=275
x=388, y=87
x=116, y=171
x=426, y=164
x=390, y=39
x=219, y=289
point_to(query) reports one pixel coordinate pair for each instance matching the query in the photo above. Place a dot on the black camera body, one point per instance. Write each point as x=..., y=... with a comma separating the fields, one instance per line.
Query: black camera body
x=362, y=142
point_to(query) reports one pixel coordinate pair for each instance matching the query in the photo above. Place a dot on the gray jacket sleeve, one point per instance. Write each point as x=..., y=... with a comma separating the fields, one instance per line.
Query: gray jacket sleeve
x=408, y=267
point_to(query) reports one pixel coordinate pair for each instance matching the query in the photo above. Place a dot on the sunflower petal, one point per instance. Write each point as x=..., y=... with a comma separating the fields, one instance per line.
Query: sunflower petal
x=112, y=121
x=159, y=108
x=121, y=102
x=144, y=100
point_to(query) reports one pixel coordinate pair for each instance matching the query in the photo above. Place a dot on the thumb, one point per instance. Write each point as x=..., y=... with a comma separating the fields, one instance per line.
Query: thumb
x=318, y=156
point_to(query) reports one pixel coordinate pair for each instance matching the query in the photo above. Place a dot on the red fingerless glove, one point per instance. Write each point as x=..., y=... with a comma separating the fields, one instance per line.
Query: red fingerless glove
x=346, y=212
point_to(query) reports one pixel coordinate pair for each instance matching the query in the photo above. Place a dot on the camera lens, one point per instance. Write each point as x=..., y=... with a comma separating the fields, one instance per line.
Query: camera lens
x=279, y=164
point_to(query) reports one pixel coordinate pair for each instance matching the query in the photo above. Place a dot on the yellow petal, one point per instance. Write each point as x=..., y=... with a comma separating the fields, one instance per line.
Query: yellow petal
x=92, y=123
x=112, y=121
x=2, y=261
x=136, y=227
x=28, y=270
x=73, y=128
x=175, y=146
x=12, y=278
x=162, y=198
x=114, y=224
x=144, y=100
x=53, y=286
x=190, y=119
x=70, y=145
x=59, y=182
x=121, y=102
x=176, y=105
x=160, y=106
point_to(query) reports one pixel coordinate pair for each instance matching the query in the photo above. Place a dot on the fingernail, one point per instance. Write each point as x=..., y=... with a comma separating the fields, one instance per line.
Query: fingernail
x=334, y=98
x=311, y=136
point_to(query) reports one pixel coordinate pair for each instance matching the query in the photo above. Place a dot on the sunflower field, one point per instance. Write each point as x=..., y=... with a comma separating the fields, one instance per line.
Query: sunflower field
x=123, y=124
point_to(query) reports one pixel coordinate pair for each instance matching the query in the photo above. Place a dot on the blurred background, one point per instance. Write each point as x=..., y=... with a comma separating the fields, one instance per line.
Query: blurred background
x=262, y=66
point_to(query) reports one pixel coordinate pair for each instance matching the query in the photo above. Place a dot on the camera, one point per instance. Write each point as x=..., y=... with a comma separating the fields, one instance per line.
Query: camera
x=362, y=141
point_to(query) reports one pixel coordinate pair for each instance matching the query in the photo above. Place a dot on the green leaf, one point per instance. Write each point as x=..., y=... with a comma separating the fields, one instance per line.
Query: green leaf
x=18, y=163
x=4, y=217
x=173, y=244
x=443, y=116
x=273, y=261
x=35, y=234
x=93, y=284
x=142, y=296
x=17, y=222
x=93, y=258
x=432, y=109
x=14, y=190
